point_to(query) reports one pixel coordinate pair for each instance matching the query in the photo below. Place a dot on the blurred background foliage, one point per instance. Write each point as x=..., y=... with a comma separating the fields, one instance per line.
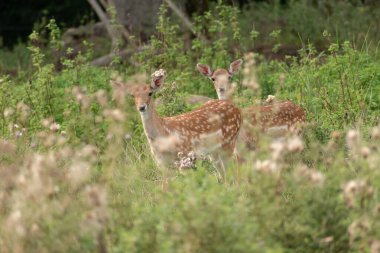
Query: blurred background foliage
x=19, y=18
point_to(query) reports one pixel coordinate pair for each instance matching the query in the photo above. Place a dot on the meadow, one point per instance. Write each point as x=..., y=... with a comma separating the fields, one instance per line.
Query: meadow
x=77, y=175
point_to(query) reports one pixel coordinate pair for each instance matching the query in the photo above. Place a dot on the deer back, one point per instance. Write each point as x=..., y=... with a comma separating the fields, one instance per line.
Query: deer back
x=275, y=115
x=215, y=124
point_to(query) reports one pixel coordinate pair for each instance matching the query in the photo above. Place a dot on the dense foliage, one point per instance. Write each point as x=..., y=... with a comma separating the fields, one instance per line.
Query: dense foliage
x=77, y=173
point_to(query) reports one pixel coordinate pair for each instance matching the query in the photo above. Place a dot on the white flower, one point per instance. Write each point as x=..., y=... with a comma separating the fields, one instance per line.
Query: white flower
x=18, y=134
x=270, y=99
x=8, y=112
x=55, y=127
x=15, y=222
x=79, y=171
x=313, y=176
x=266, y=166
x=159, y=73
x=277, y=148
x=187, y=161
x=365, y=152
x=115, y=114
x=352, y=138
x=355, y=188
x=375, y=134
x=295, y=144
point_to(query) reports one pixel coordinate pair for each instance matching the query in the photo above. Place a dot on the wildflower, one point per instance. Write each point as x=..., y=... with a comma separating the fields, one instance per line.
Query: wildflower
x=15, y=223
x=249, y=59
x=375, y=133
x=365, y=152
x=8, y=112
x=375, y=246
x=81, y=97
x=18, y=134
x=21, y=179
x=127, y=137
x=50, y=140
x=266, y=166
x=78, y=171
x=47, y=122
x=97, y=199
x=352, y=138
x=358, y=229
x=115, y=114
x=55, y=127
x=332, y=144
x=355, y=188
x=327, y=239
x=60, y=141
x=270, y=99
x=158, y=73
x=317, y=177
x=33, y=144
x=313, y=176
x=24, y=110
x=65, y=152
x=101, y=97
x=295, y=144
x=277, y=148
x=34, y=228
x=88, y=152
x=250, y=79
x=187, y=161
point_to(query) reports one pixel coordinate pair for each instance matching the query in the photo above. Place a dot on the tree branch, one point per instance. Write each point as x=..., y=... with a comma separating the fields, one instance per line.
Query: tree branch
x=185, y=19
x=103, y=17
x=106, y=60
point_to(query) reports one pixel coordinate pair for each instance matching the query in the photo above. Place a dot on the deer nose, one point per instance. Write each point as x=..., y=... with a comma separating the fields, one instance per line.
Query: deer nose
x=221, y=89
x=142, y=108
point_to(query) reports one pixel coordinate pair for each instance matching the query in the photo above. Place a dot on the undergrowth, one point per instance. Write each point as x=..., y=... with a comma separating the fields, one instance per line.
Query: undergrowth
x=77, y=173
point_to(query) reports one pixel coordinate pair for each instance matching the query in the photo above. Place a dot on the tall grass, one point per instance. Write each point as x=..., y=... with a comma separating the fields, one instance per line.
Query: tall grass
x=77, y=173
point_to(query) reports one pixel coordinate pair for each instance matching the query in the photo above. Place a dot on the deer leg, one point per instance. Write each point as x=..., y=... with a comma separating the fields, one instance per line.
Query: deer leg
x=219, y=166
x=222, y=165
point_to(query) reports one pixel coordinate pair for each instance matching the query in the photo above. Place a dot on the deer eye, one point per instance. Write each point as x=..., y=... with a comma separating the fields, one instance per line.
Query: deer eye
x=212, y=79
x=150, y=94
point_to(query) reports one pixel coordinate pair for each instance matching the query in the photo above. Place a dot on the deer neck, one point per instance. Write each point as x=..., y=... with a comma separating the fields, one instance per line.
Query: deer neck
x=152, y=123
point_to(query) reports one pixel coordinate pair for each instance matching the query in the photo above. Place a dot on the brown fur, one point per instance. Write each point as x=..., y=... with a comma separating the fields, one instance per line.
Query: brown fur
x=189, y=131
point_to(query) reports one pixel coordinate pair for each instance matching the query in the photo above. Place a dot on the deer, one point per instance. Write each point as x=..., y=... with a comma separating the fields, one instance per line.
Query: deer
x=211, y=129
x=276, y=119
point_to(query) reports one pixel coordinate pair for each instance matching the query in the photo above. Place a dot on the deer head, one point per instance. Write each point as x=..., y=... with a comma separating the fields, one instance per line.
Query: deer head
x=142, y=93
x=221, y=77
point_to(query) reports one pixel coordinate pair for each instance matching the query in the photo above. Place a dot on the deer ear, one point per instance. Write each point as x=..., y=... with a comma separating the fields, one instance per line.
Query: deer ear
x=235, y=66
x=158, y=78
x=204, y=69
